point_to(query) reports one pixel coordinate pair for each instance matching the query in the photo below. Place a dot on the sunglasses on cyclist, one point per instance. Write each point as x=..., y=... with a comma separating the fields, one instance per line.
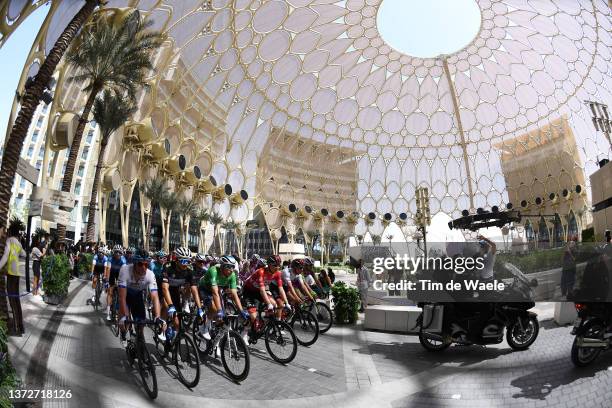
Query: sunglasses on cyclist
x=184, y=261
x=145, y=264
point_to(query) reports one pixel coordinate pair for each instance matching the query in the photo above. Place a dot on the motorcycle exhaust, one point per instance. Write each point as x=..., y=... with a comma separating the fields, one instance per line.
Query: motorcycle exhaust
x=593, y=343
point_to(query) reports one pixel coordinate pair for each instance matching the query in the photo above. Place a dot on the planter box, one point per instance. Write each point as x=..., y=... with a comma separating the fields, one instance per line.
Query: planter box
x=53, y=299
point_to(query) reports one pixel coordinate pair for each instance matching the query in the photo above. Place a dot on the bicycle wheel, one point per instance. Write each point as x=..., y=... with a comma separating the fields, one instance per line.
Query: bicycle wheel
x=324, y=316
x=186, y=361
x=97, y=299
x=147, y=371
x=235, y=356
x=280, y=342
x=306, y=327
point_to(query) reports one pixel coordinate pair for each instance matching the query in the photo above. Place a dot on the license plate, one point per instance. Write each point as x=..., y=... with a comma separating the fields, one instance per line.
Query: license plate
x=577, y=322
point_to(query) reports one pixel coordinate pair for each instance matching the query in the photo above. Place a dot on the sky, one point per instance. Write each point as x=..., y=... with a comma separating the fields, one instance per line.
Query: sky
x=13, y=56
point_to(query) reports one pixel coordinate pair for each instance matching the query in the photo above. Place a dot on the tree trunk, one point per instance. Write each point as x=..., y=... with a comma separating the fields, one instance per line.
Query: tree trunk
x=147, y=230
x=74, y=153
x=93, y=201
x=29, y=103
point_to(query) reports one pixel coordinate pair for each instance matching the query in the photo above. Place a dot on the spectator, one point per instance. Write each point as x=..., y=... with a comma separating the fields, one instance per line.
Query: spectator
x=37, y=255
x=568, y=272
x=331, y=274
x=10, y=266
x=363, y=283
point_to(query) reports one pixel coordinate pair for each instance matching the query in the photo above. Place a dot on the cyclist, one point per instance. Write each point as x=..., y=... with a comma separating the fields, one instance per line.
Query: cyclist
x=133, y=280
x=297, y=268
x=99, y=268
x=266, y=285
x=129, y=252
x=176, y=274
x=116, y=262
x=157, y=266
x=311, y=277
x=224, y=277
x=288, y=276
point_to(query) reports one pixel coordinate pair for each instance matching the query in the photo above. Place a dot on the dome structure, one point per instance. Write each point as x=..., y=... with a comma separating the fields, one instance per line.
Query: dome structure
x=315, y=78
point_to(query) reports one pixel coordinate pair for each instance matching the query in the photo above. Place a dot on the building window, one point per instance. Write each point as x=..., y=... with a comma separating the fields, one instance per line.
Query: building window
x=45, y=108
x=85, y=153
x=22, y=183
x=64, y=168
x=81, y=170
x=30, y=151
x=35, y=136
x=18, y=201
x=41, y=152
x=40, y=121
x=38, y=165
x=77, y=188
x=89, y=136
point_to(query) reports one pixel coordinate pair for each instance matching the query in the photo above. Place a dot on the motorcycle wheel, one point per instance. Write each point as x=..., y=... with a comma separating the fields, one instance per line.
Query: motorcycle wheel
x=521, y=339
x=432, y=345
x=583, y=356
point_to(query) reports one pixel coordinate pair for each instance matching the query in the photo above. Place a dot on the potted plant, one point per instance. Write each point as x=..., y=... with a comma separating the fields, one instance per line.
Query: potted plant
x=346, y=303
x=84, y=265
x=56, y=278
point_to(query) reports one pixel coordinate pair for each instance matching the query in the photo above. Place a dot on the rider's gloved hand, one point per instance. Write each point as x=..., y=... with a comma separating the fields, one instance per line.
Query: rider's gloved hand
x=159, y=321
x=270, y=306
x=200, y=313
x=122, y=323
x=171, y=311
x=244, y=314
x=220, y=314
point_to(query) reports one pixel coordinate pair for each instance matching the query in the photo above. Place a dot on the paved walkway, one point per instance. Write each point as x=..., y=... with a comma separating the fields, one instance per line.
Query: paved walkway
x=72, y=348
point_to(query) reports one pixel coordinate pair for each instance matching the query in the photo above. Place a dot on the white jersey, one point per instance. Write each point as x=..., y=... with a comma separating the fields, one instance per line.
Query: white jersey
x=133, y=284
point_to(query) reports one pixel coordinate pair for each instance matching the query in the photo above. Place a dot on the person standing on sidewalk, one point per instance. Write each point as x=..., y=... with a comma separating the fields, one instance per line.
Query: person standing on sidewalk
x=36, y=255
x=363, y=283
x=9, y=265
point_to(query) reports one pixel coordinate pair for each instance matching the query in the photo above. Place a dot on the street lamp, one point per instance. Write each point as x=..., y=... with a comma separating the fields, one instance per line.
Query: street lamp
x=423, y=214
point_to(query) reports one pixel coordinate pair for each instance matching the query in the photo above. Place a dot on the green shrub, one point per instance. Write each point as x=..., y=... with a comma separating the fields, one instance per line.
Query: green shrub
x=8, y=376
x=56, y=275
x=84, y=265
x=588, y=235
x=346, y=303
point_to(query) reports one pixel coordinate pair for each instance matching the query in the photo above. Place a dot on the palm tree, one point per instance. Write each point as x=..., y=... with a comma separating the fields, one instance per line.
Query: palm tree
x=29, y=102
x=229, y=226
x=186, y=210
x=215, y=219
x=202, y=218
x=154, y=190
x=110, y=112
x=108, y=55
x=376, y=239
x=359, y=239
x=167, y=203
x=390, y=238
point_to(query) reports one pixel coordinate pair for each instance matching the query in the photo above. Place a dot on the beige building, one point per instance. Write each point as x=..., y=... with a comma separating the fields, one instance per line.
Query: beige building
x=601, y=184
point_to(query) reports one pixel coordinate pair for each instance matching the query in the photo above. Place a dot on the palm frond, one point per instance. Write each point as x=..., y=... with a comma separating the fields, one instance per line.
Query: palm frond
x=111, y=111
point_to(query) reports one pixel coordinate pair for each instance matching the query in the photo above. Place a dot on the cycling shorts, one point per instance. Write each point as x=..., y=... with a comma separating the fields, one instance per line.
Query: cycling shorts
x=136, y=305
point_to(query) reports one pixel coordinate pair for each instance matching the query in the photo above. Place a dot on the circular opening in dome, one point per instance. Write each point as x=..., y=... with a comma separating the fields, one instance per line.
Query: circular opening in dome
x=427, y=29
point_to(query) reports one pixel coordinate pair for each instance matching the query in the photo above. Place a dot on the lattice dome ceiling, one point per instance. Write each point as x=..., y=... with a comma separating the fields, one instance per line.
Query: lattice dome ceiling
x=319, y=70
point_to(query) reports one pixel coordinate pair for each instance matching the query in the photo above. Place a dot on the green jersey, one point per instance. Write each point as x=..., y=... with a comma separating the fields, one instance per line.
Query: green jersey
x=214, y=277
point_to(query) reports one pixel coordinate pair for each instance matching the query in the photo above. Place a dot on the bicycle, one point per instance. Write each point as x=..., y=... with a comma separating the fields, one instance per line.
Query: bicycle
x=275, y=333
x=323, y=313
x=304, y=325
x=234, y=350
x=115, y=313
x=184, y=354
x=137, y=350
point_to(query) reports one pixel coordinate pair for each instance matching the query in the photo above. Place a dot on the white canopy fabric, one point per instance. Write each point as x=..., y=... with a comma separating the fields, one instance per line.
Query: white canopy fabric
x=319, y=70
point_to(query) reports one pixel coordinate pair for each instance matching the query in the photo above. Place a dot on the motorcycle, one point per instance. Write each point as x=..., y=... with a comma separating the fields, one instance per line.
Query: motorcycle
x=593, y=331
x=481, y=323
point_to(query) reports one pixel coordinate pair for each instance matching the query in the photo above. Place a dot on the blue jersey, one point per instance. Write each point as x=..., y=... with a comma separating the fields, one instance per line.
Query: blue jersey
x=116, y=264
x=99, y=263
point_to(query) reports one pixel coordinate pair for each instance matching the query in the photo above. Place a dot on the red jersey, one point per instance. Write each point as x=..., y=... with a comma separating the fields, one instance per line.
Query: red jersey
x=262, y=277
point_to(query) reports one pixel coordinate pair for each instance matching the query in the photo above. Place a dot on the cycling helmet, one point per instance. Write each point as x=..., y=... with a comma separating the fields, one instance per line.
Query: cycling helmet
x=273, y=260
x=209, y=259
x=118, y=248
x=102, y=250
x=308, y=262
x=200, y=258
x=141, y=256
x=297, y=263
x=161, y=254
x=130, y=250
x=227, y=261
x=182, y=253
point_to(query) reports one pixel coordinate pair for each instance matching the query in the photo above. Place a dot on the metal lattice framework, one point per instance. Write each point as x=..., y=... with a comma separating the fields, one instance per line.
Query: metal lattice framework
x=238, y=81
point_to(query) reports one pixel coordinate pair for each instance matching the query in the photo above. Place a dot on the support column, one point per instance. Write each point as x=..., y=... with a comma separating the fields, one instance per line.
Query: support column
x=463, y=144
